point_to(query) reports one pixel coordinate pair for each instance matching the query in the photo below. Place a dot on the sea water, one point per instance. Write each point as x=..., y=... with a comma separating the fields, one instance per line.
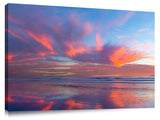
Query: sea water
x=79, y=93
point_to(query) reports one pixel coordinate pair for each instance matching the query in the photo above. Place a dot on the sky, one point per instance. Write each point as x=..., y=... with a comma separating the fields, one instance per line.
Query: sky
x=68, y=42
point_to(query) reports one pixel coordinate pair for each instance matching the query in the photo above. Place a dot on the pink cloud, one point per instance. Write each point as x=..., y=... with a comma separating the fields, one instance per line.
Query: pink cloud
x=73, y=17
x=99, y=44
x=120, y=20
x=143, y=29
x=121, y=37
x=127, y=16
x=149, y=46
x=87, y=28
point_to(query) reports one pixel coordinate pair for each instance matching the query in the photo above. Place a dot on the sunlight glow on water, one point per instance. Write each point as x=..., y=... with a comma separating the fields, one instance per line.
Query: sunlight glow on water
x=58, y=95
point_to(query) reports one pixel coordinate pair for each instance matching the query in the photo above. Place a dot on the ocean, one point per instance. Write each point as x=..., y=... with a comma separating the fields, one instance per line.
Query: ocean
x=79, y=93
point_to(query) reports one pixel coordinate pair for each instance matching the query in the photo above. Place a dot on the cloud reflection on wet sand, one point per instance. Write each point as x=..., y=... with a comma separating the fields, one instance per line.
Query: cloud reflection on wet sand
x=49, y=95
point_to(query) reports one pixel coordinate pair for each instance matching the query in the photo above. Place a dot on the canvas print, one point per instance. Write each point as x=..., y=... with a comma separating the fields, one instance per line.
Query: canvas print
x=68, y=58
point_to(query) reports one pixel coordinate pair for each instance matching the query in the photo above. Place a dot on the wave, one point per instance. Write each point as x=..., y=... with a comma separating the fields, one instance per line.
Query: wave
x=139, y=80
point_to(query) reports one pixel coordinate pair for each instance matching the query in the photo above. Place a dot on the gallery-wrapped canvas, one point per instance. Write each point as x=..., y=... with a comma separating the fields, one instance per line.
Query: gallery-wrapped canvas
x=68, y=58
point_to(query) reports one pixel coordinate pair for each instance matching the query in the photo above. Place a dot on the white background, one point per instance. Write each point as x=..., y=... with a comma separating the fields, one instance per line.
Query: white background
x=122, y=114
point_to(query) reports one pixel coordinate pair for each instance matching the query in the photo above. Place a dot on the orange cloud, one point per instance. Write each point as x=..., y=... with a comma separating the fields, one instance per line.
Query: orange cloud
x=25, y=59
x=32, y=97
x=15, y=35
x=98, y=106
x=9, y=98
x=124, y=55
x=99, y=45
x=73, y=104
x=41, y=102
x=72, y=51
x=9, y=57
x=43, y=40
x=49, y=106
x=43, y=53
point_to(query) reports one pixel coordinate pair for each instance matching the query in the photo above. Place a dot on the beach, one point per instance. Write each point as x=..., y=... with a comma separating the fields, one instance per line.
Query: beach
x=81, y=93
